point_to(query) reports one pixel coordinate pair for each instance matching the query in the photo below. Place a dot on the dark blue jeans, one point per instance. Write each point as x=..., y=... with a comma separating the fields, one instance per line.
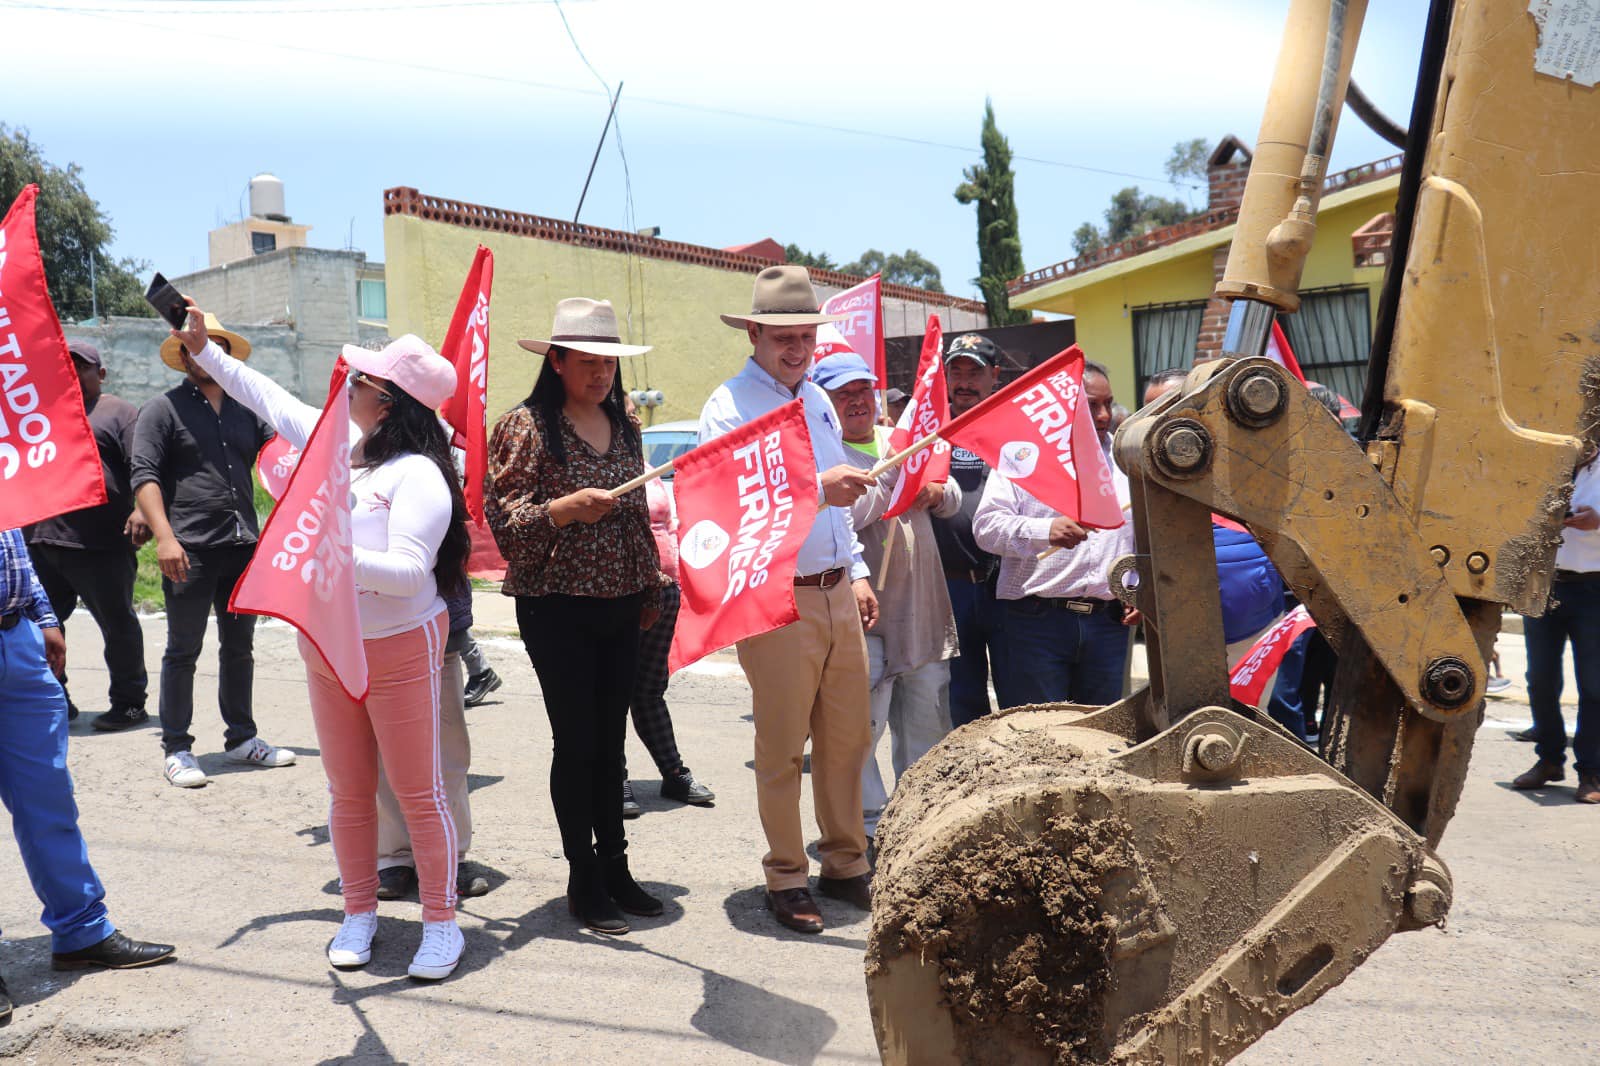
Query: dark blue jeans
x=1057, y=655
x=1287, y=703
x=1575, y=617
x=980, y=627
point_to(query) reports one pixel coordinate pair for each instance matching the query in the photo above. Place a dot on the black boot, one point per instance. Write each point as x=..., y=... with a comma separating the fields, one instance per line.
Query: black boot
x=625, y=891
x=588, y=901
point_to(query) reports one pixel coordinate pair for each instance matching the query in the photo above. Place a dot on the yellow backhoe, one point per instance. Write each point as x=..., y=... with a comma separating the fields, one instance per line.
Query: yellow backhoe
x=1165, y=879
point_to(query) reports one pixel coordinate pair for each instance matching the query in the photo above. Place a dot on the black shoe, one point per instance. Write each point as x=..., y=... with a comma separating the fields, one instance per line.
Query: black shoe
x=470, y=883
x=856, y=891
x=1527, y=736
x=5, y=1004
x=115, y=952
x=72, y=716
x=625, y=891
x=396, y=882
x=590, y=903
x=682, y=787
x=479, y=686
x=120, y=718
x=630, y=806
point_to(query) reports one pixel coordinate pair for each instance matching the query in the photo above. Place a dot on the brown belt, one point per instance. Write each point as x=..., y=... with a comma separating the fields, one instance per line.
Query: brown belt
x=8, y=621
x=825, y=580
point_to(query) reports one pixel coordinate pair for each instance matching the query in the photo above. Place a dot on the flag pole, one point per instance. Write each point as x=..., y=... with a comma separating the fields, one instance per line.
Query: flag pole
x=899, y=457
x=643, y=479
x=1042, y=556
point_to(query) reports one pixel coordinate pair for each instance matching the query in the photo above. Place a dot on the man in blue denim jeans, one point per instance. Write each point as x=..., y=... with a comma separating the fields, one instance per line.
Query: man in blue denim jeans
x=1574, y=614
x=1066, y=635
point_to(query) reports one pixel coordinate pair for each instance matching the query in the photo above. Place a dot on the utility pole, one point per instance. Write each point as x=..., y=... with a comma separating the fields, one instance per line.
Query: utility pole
x=94, y=299
x=603, y=131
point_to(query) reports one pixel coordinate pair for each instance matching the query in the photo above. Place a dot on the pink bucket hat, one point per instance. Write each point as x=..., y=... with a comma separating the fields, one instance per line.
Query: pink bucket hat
x=410, y=363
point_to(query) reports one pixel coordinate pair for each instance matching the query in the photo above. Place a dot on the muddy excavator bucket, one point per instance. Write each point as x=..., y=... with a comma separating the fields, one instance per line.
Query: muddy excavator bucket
x=1051, y=890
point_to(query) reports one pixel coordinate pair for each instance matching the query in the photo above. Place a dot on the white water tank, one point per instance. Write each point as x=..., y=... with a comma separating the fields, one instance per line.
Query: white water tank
x=266, y=198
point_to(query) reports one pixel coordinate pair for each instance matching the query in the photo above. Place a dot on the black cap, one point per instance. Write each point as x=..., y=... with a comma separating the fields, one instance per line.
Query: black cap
x=85, y=351
x=973, y=346
x=896, y=396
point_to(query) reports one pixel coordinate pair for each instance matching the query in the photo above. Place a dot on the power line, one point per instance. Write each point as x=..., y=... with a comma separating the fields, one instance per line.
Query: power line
x=748, y=116
x=190, y=8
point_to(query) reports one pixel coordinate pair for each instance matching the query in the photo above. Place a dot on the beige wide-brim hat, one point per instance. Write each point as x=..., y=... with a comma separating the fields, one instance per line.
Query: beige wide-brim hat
x=584, y=325
x=783, y=296
x=172, y=347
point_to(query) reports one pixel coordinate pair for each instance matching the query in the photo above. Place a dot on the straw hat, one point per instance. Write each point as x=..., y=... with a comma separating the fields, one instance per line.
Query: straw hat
x=584, y=325
x=783, y=296
x=238, y=347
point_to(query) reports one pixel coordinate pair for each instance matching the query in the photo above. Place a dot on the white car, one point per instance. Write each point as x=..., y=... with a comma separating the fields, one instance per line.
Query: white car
x=667, y=441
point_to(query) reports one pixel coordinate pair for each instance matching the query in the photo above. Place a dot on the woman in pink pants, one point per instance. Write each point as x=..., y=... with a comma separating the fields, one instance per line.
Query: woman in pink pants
x=408, y=525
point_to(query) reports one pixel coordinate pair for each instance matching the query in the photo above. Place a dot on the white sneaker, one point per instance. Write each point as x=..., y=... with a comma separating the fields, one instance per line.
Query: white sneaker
x=257, y=752
x=351, y=946
x=183, y=771
x=440, y=951
x=1496, y=685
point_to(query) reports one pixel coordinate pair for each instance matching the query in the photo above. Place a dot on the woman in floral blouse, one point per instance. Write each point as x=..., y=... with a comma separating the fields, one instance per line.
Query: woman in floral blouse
x=584, y=570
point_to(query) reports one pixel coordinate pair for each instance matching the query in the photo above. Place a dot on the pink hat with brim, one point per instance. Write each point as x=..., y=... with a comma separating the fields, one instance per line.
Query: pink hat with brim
x=410, y=363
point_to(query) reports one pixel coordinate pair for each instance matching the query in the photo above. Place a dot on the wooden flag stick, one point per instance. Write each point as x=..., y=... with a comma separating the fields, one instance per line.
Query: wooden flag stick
x=1042, y=556
x=900, y=457
x=643, y=479
x=888, y=552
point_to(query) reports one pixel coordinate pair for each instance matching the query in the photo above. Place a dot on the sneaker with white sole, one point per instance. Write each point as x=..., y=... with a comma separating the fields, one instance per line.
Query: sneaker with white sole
x=351, y=946
x=183, y=771
x=439, y=953
x=257, y=752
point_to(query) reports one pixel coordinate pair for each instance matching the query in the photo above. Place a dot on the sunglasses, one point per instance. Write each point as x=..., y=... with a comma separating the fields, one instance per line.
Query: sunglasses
x=359, y=378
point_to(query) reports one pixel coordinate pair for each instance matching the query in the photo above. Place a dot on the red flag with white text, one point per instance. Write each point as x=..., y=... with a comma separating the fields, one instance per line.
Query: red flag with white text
x=746, y=501
x=928, y=410
x=466, y=346
x=1279, y=352
x=303, y=570
x=275, y=464
x=1248, y=679
x=862, y=326
x=1038, y=432
x=49, y=463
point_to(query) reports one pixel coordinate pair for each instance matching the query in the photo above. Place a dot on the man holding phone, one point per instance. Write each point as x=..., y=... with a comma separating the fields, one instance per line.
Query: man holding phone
x=193, y=451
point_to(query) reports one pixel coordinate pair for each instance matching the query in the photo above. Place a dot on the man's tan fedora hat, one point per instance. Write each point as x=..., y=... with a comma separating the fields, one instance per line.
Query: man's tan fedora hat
x=783, y=296
x=584, y=325
x=238, y=347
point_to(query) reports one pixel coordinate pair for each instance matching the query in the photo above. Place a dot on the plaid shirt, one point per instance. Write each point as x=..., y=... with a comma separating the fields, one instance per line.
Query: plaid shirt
x=19, y=585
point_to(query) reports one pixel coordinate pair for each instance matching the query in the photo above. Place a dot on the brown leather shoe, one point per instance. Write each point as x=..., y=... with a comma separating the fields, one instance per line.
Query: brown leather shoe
x=856, y=891
x=795, y=908
x=1541, y=775
x=1588, y=788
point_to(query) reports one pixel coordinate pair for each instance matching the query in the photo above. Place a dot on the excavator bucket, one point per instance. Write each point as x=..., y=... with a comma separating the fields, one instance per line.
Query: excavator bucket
x=1050, y=890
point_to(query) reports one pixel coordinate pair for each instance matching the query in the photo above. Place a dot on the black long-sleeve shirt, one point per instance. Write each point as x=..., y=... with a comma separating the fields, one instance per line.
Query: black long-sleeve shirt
x=112, y=420
x=201, y=457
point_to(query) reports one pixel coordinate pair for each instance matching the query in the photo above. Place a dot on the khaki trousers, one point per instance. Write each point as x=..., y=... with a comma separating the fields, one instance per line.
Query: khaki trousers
x=809, y=678
x=455, y=754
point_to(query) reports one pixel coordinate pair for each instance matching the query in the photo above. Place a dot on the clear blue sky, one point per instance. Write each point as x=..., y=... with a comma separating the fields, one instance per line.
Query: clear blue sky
x=735, y=116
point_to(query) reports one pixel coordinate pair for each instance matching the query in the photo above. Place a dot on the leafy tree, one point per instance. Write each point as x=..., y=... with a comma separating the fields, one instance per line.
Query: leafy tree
x=1188, y=160
x=991, y=186
x=821, y=260
x=912, y=268
x=1132, y=213
x=72, y=227
x=1086, y=239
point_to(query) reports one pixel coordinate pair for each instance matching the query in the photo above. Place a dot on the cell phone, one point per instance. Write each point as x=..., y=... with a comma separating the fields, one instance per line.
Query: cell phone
x=167, y=301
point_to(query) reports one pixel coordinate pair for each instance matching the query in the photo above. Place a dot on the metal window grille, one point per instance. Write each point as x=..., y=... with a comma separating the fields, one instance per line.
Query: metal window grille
x=261, y=243
x=1164, y=336
x=1331, y=336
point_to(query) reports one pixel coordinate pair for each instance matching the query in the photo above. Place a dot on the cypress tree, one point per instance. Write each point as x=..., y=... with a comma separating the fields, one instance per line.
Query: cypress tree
x=990, y=185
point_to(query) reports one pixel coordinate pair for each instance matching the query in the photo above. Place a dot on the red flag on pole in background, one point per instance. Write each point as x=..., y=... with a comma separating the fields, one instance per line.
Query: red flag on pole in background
x=49, y=463
x=746, y=501
x=1038, y=432
x=303, y=570
x=275, y=464
x=862, y=329
x=466, y=346
x=830, y=342
x=1249, y=677
x=928, y=410
x=1279, y=352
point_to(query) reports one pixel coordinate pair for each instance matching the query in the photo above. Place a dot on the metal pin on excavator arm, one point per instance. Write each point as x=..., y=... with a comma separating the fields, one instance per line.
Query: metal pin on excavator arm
x=1165, y=879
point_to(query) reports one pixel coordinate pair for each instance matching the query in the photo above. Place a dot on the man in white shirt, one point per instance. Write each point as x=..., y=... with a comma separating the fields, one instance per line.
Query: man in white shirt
x=1574, y=615
x=1065, y=635
x=808, y=678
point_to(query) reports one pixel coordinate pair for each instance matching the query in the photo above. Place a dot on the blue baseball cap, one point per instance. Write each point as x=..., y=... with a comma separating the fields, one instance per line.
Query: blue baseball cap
x=837, y=371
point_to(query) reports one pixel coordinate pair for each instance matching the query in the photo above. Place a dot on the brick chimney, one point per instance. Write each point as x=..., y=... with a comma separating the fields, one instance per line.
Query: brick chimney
x=1226, y=171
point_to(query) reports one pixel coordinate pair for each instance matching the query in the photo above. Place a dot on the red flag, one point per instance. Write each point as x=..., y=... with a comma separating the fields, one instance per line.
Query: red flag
x=745, y=504
x=1249, y=677
x=1279, y=352
x=863, y=328
x=466, y=345
x=303, y=571
x=275, y=464
x=49, y=464
x=1038, y=432
x=928, y=410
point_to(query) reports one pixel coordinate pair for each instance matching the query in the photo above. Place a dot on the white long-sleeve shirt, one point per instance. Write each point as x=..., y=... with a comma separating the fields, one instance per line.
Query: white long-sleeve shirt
x=397, y=522
x=753, y=392
x=1580, y=549
x=1010, y=523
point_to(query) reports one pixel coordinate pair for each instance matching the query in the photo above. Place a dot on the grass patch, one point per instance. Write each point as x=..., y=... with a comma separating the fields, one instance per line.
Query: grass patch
x=147, y=594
